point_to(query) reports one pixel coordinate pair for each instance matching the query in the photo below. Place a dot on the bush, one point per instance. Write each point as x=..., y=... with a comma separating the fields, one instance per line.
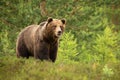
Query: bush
x=105, y=46
x=5, y=44
x=67, y=48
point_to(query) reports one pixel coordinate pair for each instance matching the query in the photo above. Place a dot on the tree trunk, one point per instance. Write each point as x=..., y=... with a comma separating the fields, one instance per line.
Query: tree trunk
x=43, y=8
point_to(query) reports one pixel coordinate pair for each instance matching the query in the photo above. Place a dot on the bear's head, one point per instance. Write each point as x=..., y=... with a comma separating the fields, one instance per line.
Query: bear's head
x=55, y=27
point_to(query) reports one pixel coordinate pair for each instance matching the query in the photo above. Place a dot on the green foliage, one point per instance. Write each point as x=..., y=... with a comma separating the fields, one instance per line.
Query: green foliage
x=68, y=47
x=12, y=68
x=102, y=50
x=19, y=13
x=105, y=45
x=85, y=54
x=107, y=71
x=5, y=44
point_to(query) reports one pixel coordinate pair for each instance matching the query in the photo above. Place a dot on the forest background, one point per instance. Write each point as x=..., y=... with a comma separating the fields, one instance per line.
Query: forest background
x=89, y=49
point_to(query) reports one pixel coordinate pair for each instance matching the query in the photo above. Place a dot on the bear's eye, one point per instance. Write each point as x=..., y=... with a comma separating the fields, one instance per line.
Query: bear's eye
x=61, y=27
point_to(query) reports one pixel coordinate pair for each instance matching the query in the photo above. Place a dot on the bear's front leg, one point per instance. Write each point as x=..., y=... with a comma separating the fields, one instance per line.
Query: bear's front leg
x=53, y=52
x=41, y=51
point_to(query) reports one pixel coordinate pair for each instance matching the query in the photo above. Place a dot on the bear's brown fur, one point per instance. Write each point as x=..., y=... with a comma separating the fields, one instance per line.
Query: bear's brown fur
x=40, y=41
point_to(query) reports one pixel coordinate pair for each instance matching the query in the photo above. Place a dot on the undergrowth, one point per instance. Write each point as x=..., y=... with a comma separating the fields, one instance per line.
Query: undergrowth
x=12, y=68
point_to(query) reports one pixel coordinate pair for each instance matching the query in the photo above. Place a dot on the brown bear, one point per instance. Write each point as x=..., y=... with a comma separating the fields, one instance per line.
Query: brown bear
x=40, y=41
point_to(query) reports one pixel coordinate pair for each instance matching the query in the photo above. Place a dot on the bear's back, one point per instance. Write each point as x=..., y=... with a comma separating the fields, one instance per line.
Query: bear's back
x=42, y=23
x=27, y=36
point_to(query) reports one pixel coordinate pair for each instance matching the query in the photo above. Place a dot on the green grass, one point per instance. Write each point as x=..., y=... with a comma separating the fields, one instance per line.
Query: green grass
x=12, y=68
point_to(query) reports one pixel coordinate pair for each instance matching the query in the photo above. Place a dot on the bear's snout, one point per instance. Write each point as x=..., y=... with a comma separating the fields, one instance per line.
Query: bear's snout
x=59, y=32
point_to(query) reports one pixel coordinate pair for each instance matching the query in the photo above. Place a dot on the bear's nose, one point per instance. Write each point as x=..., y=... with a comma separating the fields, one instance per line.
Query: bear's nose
x=59, y=32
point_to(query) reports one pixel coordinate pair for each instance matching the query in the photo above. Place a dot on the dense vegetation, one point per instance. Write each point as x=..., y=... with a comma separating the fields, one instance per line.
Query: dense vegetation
x=89, y=49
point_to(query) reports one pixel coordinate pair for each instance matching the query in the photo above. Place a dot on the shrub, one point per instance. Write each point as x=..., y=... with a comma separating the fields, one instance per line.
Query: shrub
x=107, y=71
x=105, y=46
x=5, y=44
x=68, y=47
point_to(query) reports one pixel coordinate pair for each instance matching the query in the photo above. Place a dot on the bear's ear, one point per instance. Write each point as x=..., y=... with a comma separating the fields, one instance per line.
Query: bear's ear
x=63, y=21
x=49, y=19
